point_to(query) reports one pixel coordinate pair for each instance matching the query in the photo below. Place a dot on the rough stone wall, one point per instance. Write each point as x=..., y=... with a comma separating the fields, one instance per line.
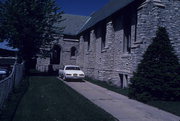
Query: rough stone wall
x=122, y=60
x=170, y=18
x=112, y=64
x=106, y=64
x=42, y=64
x=66, y=58
x=65, y=45
x=90, y=54
x=151, y=15
x=80, y=56
x=147, y=25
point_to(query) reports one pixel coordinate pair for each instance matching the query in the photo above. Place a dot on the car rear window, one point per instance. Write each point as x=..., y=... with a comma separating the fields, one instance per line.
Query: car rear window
x=72, y=68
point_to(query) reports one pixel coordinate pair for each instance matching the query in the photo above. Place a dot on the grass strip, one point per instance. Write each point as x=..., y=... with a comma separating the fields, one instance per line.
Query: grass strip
x=169, y=106
x=11, y=104
x=49, y=99
x=108, y=86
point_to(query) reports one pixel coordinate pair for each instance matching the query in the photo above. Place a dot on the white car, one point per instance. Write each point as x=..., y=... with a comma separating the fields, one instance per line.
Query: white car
x=71, y=72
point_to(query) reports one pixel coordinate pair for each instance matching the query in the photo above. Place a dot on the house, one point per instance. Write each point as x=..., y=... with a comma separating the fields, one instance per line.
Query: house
x=64, y=49
x=111, y=41
x=7, y=59
x=7, y=54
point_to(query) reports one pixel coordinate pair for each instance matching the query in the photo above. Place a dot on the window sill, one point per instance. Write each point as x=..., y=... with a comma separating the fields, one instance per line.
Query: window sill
x=126, y=55
x=135, y=46
x=103, y=50
x=87, y=52
x=73, y=58
x=138, y=42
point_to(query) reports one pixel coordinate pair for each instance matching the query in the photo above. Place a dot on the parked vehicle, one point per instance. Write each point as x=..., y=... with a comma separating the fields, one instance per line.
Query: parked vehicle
x=71, y=72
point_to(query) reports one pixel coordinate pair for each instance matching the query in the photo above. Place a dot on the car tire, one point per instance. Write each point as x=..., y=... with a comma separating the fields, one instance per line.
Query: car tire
x=64, y=78
x=61, y=76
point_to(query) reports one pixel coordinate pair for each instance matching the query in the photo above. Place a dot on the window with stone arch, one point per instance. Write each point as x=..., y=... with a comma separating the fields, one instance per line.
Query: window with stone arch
x=55, y=55
x=103, y=36
x=127, y=22
x=73, y=51
x=87, y=40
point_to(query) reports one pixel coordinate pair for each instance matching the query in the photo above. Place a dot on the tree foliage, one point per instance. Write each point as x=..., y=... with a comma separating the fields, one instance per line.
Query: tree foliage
x=158, y=74
x=28, y=24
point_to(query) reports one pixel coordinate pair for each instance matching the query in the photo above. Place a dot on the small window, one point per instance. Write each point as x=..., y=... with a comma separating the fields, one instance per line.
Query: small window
x=103, y=37
x=55, y=55
x=123, y=80
x=87, y=39
x=73, y=51
x=72, y=68
x=127, y=33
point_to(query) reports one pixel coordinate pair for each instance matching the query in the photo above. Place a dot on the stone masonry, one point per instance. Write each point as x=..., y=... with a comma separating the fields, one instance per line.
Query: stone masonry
x=65, y=58
x=111, y=48
x=64, y=49
x=112, y=63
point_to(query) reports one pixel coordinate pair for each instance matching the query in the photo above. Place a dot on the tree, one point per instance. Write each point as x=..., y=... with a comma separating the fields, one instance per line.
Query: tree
x=158, y=75
x=28, y=25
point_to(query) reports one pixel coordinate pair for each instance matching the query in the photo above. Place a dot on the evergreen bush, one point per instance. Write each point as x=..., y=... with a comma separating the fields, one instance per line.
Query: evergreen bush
x=158, y=75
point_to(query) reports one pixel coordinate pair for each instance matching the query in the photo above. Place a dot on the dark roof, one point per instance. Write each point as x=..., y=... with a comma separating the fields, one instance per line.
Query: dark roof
x=110, y=8
x=72, y=23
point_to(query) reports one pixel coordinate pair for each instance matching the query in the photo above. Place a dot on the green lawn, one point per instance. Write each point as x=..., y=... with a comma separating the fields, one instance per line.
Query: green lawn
x=48, y=99
x=108, y=86
x=13, y=100
x=169, y=106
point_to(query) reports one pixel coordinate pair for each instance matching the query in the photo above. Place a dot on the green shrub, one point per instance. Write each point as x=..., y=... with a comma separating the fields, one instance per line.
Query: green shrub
x=158, y=74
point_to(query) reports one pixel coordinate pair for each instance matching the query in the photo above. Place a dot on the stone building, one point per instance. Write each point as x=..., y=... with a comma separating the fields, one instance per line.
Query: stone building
x=114, y=38
x=64, y=48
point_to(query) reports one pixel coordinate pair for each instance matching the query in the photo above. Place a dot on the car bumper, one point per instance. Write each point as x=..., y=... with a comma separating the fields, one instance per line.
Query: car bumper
x=74, y=77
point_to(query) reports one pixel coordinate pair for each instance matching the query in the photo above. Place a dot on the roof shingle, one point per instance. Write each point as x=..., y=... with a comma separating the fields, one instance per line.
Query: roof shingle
x=72, y=23
x=110, y=8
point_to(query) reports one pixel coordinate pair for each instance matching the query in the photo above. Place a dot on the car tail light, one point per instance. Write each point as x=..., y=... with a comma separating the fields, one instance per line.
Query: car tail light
x=74, y=74
x=81, y=74
x=68, y=74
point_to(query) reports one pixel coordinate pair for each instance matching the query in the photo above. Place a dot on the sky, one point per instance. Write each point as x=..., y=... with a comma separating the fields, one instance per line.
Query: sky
x=81, y=7
x=77, y=7
x=4, y=45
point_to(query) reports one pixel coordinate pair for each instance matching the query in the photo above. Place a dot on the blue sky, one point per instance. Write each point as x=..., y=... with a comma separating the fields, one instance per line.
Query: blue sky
x=4, y=45
x=77, y=7
x=81, y=7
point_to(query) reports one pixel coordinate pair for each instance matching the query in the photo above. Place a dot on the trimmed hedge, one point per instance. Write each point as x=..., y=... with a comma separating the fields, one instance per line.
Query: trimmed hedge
x=158, y=75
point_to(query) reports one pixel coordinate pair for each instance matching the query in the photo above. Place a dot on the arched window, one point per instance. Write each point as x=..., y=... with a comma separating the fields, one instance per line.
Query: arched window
x=73, y=51
x=127, y=32
x=56, y=54
x=103, y=36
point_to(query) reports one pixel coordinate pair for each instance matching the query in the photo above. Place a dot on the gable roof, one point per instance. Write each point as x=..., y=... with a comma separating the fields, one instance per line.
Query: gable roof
x=72, y=23
x=110, y=8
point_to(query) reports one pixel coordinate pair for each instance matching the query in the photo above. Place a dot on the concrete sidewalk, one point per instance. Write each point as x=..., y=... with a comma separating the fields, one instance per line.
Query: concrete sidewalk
x=121, y=107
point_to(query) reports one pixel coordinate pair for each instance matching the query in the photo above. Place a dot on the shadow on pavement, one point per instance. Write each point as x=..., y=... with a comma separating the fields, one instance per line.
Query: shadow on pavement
x=37, y=73
x=75, y=80
x=72, y=80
